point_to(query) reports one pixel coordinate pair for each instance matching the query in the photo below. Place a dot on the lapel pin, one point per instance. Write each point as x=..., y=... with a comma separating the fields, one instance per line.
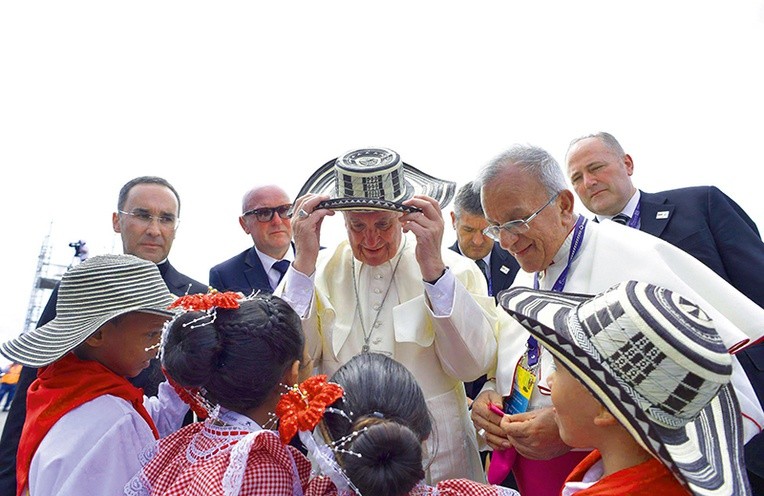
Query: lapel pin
x=504, y=269
x=663, y=214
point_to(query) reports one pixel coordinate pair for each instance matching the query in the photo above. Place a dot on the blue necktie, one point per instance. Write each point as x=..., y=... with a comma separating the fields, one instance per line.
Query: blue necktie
x=281, y=266
x=484, y=269
x=622, y=219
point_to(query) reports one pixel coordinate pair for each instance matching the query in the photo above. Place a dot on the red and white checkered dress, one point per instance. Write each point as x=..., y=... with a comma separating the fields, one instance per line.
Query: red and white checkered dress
x=461, y=487
x=193, y=461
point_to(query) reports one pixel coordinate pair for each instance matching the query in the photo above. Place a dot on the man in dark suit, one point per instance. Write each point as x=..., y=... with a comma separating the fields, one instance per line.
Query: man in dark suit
x=260, y=268
x=148, y=209
x=702, y=221
x=497, y=265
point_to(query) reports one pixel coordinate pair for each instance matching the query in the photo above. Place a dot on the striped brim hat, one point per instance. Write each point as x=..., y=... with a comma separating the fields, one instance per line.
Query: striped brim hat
x=656, y=362
x=90, y=294
x=374, y=179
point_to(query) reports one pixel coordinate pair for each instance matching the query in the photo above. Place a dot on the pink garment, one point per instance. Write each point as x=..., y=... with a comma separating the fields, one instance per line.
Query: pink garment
x=536, y=477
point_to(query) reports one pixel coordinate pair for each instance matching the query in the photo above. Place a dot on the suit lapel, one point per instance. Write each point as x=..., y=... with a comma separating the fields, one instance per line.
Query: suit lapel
x=455, y=247
x=655, y=213
x=503, y=269
x=255, y=273
x=174, y=282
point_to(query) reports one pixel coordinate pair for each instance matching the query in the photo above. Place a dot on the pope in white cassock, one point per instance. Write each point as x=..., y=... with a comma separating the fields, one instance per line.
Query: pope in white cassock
x=392, y=289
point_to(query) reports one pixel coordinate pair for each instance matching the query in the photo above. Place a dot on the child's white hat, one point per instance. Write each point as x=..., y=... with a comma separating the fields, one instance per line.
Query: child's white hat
x=92, y=293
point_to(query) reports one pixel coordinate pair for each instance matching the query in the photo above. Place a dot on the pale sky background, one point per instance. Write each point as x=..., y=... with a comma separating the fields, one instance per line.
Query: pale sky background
x=219, y=96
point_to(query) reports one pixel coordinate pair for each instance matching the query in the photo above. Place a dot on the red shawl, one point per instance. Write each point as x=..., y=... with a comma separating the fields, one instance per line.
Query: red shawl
x=60, y=388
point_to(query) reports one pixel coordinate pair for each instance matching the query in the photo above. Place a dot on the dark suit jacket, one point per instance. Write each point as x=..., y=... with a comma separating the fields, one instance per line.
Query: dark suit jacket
x=244, y=273
x=710, y=226
x=504, y=268
x=178, y=284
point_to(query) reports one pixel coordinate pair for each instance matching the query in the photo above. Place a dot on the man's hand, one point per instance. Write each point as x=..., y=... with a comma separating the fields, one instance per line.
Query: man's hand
x=534, y=434
x=428, y=227
x=306, y=232
x=488, y=421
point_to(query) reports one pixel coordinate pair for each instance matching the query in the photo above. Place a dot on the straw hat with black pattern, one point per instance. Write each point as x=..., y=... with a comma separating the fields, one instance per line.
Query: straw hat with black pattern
x=374, y=179
x=656, y=362
x=90, y=294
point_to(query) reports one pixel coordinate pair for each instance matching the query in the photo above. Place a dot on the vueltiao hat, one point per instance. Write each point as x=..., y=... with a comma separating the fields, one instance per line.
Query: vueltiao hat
x=374, y=179
x=90, y=294
x=656, y=362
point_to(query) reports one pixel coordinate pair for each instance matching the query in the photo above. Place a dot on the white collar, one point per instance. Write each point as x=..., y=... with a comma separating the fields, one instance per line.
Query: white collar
x=268, y=260
x=629, y=209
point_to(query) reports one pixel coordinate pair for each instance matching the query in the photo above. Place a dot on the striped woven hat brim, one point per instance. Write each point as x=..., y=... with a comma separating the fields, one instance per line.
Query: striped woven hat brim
x=657, y=364
x=324, y=182
x=91, y=294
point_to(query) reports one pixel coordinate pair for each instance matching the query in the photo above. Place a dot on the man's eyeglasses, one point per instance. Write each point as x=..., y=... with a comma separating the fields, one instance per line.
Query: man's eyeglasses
x=265, y=214
x=167, y=221
x=515, y=226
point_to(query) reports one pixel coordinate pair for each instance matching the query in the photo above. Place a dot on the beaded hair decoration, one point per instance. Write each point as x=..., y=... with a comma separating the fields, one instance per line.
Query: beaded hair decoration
x=208, y=304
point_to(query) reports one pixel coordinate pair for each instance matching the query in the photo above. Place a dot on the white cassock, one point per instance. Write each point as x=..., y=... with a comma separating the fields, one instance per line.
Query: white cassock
x=441, y=349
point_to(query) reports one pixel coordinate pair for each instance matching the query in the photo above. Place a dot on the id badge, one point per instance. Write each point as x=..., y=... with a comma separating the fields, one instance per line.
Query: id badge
x=522, y=388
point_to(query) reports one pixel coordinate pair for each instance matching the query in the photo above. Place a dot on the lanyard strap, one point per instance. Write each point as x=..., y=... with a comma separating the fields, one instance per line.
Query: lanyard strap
x=575, y=245
x=634, y=221
x=559, y=285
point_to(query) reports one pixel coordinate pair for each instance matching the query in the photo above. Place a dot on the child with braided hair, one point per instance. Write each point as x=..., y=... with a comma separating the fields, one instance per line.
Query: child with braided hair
x=379, y=426
x=237, y=354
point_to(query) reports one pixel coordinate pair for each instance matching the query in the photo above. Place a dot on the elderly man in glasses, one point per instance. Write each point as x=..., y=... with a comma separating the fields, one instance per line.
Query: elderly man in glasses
x=260, y=268
x=531, y=214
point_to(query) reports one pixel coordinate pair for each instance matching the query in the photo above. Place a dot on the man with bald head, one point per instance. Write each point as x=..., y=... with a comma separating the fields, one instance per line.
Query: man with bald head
x=530, y=211
x=265, y=217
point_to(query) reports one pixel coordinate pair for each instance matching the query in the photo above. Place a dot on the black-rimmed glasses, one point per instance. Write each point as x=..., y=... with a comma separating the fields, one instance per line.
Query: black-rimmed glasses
x=515, y=226
x=265, y=214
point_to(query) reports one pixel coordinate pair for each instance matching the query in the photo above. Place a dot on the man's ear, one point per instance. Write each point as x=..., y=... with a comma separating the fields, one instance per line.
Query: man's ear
x=453, y=220
x=604, y=418
x=566, y=201
x=115, y=222
x=629, y=164
x=243, y=224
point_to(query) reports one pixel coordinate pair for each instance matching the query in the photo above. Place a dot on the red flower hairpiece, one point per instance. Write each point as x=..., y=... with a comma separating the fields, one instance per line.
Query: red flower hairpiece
x=203, y=302
x=302, y=407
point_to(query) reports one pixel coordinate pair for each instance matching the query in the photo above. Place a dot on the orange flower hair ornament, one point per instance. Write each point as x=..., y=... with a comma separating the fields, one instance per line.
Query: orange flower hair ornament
x=302, y=407
x=206, y=302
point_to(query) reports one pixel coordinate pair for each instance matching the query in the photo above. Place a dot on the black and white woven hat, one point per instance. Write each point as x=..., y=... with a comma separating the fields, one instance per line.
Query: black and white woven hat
x=374, y=179
x=655, y=360
x=90, y=294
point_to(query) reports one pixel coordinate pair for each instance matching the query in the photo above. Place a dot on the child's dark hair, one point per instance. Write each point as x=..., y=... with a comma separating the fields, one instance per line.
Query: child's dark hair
x=382, y=397
x=241, y=356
